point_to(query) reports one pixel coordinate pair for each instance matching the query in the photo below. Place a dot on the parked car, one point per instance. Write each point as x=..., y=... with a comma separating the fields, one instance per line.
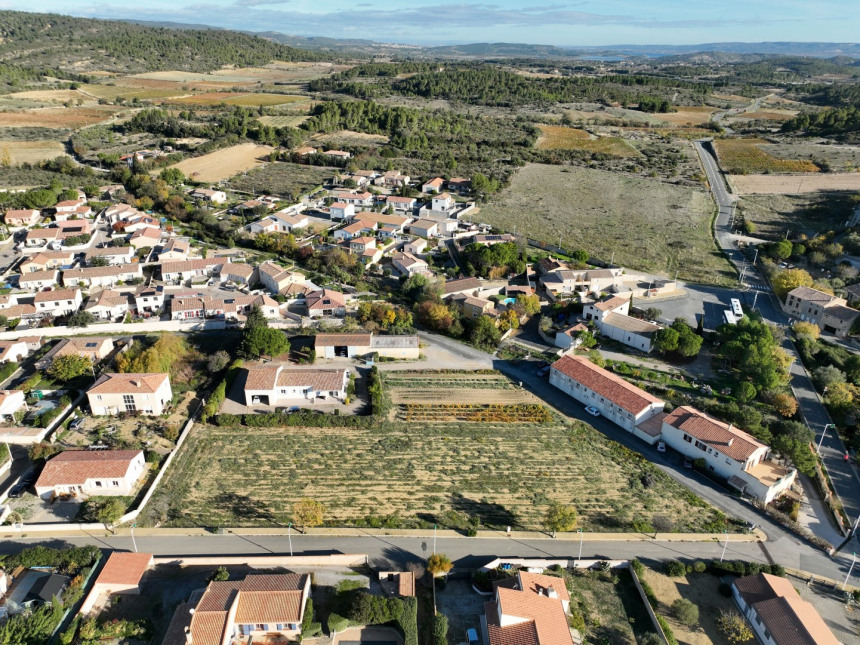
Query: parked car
x=543, y=371
x=592, y=411
x=661, y=446
x=76, y=423
x=17, y=490
x=472, y=636
x=688, y=463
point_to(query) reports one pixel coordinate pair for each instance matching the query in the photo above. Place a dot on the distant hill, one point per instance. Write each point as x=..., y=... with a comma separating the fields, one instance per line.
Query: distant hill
x=50, y=41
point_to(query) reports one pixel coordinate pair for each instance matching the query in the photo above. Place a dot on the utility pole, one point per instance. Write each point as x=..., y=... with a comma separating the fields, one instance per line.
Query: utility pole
x=290, y=537
x=820, y=441
x=133, y=541
x=723, y=554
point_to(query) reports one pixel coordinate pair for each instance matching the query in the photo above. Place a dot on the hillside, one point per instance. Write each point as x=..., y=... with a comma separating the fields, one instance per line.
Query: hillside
x=80, y=45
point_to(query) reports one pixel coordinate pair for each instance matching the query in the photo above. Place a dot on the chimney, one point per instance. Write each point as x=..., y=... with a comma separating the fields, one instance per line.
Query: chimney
x=731, y=441
x=188, y=635
x=551, y=592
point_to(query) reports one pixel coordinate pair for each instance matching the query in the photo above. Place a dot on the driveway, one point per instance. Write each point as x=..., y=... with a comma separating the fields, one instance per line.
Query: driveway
x=35, y=510
x=462, y=605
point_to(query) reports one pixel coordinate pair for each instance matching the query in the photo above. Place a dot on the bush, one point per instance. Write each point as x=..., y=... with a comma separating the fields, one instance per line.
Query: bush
x=638, y=567
x=685, y=611
x=309, y=627
x=670, y=635
x=337, y=623
x=675, y=568
x=368, y=609
x=440, y=629
x=699, y=566
x=408, y=621
x=725, y=589
x=228, y=420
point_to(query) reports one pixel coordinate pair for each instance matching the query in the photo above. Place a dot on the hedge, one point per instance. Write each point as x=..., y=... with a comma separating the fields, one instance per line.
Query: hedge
x=667, y=631
x=337, y=623
x=440, y=630
x=220, y=391
x=408, y=621
x=309, y=627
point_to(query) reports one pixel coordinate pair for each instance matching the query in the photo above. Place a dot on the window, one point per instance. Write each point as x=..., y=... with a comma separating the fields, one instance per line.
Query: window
x=700, y=445
x=261, y=627
x=115, y=484
x=98, y=397
x=728, y=461
x=601, y=399
x=128, y=401
x=98, y=484
x=688, y=438
x=711, y=468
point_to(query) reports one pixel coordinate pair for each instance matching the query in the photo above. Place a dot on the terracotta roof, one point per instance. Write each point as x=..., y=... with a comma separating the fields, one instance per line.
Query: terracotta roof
x=539, y=583
x=76, y=466
x=101, y=272
x=340, y=205
x=107, y=298
x=613, y=302
x=178, y=624
x=380, y=218
x=38, y=276
x=207, y=627
x=57, y=294
x=123, y=568
x=364, y=241
x=331, y=340
x=127, y=383
x=269, y=607
x=80, y=345
x=726, y=439
x=147, y=231
x=324, y=299
x=394, y=199
x=575, y=329
x=790, y=619
x=436, y=183
x=110, y=251
x=269, y=377
x=241, y=269
x=407, y=259
x=463, y=284
x=426, y=224
x=606, y=384
x=180, y=266
x=546, y=614
x=631, y=324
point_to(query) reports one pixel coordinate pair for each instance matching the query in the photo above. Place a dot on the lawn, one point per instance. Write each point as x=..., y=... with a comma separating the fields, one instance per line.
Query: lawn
x=749, y=156
x=283, y=179
x=647, y=224
x=224, y=163
x=559, y=137
x=496, y=473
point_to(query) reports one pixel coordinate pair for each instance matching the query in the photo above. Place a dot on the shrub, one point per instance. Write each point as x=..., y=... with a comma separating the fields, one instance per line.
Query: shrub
x=220, y=575
x=408, y=621
x=670, y=635
x=309, y=627
x=440, y=629
x=685, y=611
x=337, y=623
x=699, y=566
x=675, y=568
x=725, y=589
x=228, y=420
x=638, y=567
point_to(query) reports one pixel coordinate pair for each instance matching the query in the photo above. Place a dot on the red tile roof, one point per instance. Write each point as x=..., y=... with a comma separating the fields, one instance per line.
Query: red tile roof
x=124, y=568
x=331, y=340
x=724, y=438
x=606, y=384
x=77, y=466
x=127, y=383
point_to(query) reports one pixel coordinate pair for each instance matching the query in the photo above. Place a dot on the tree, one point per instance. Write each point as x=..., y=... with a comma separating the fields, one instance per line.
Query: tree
x=172, y=176
x=218, y=361
x=559, y=517
x=851, y=367
x=685, y=611
x=792, y=439
x=734, y=626
x=485, y=334
x=785, y=404
x=545, y=324
x=98, y=261
x=531, y=304
x=744, y=391
x=827, y=376
x=70, y=366
x=258, y=339
x=689, y=343
x=785, y=281
x=106, y=510
x=780, y=250
x=666, y=340
x=220, y=575
x=438, y=564
x=81, y=319
x=308, y=513
x=652, y=313
x=806, y=329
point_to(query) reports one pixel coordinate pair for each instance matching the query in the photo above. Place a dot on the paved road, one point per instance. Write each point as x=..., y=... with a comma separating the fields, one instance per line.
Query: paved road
x=843, y=473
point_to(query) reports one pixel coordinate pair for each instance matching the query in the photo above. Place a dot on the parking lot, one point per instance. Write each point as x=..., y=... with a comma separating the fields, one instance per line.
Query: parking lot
x=698, y=301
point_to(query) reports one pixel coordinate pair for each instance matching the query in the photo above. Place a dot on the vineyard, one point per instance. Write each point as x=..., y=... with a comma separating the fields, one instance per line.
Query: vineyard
x=473, y=413
x=749, y=156
x=556, y=137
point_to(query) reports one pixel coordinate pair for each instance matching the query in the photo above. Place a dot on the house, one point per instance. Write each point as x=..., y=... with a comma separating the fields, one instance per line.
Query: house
x=550, y=264
x=569, y=338
x=259, y=608
x=95, y=348
x=401, y=203
x=183, y=270
x=12, y=351
x=459, y=185
x=633, y=332
x=359, y=245
x=396, y=221
x=239, y=273
x=91, y=472
x=416, y=246
x=145, y=238
x=278, y=223
x=470, y=306
x=442, y=203
x=407, y=264
x=111, y=192
x=42, y=236
x=60, y=302
x=325, y=303
x=34, y=343
x=392, y=179
x=340, y=154
x=119, y=212
x=351, y=345
x=47, y=588
x=47, y=260
x=276, y=278
x=530, y=609
x=21, y=218
x=187, y=308
x=728, y=452
x=122, y=574
x=370, y=256
x=424, y=228
x=111, y=254
x=853, y=293
x=139, y=222
x=149, y=300
x=354, y=230
x=565, y=282
x=777, y=613
x=364, y=198
x=624, y=404
x=278, y=385
x=107, y=305
x=114, y=394
x=490, y=239
x=829, y=312
x=341, y=211
x=469, y=286
x=107, y=276
x=37, y=280
x=81, y=212
x=74, y=227
x=305, y=150
x=69, y=205
x=433, y=186
x=11, y=403
x=174, y=250
x=397, y=584
x=209, y=195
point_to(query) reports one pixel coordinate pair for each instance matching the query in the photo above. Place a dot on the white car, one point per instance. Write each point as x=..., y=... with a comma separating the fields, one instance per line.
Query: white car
x=661, y=446
x=592, y=411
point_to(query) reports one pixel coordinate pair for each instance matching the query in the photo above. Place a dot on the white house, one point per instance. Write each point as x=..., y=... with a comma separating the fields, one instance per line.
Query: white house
x=727, y=452
x=209, y=195
x=87, y=472
x=278, y=223
x=560, y=281
x=182, y=270
x=364, y=199
x=569, y=338
x=416, y=246
x=174, y=250
x=59, y=302
x=624, y=404
x=21, y=218
x=401, y=203
x=529, y=609
x=103, y=276
x=351, y=345
x=325, y=303
x=36, y=280
x=424, y=228
x=777, y=613
x=114, y=394
x=112, y=254
x=433, y=186
x=341, y=211
x=443, y=203
x=276, y=278
x=149, y=300
x=107, y=305
x=11, y=402
x=628, y=330
x=407, y=264
x=12, y=351
x=278, y=385
x=239, y=273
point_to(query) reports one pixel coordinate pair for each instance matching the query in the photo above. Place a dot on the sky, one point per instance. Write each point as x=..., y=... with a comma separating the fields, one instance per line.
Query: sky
x=564, y=24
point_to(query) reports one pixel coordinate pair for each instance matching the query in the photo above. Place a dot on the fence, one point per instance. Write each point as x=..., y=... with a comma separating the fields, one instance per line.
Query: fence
x=644, y=597
x=333, y=560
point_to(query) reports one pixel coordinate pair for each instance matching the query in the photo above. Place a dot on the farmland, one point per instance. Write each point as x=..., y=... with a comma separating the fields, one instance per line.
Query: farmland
x=14, y=153
x=750, y=156
x=284, y=179
x=687, y=116
x=238, y=98
x=496, y=473
x=556, y=137
x=284, y=120
x=599, y=210
x=807, y=213
x=59, y=118
x=793, y=184
x=347, y=138
x=225, y=163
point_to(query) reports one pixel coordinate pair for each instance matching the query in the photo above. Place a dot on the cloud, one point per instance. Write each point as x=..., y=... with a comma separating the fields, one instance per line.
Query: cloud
x=256, y=3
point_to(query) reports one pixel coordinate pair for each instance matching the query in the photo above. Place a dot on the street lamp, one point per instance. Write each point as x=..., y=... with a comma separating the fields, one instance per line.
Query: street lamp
x=723, y=554
x=290, y=537
x=133, y=541
x=823, y=432
x=850, y=569
x=580, y=544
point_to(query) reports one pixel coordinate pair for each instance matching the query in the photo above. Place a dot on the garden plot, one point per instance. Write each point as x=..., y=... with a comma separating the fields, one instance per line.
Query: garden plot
x=500, y=472
x=748, y=156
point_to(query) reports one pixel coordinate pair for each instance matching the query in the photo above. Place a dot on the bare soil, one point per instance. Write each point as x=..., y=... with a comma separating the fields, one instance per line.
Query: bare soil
x=225, y=163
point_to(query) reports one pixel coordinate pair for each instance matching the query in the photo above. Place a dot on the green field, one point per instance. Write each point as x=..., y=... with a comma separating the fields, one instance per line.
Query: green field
x=648, y=225
x=396, y=474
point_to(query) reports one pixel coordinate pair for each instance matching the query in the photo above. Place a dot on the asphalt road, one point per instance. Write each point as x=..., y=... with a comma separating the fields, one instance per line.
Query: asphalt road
x=843, y=473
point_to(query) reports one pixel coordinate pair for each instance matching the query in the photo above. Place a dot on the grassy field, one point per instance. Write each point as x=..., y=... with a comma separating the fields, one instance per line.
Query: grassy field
x=558, y=137
x=767, y=115
x=234, y=98
x=612, y=607
x=750, y=156
x=794, y=184
x=58, y=118
x=225, y=163
x=498, y=473
x=15, y=153
x=808, y=213
x=687, y=116
x=347, y=138
x=648, y=225
x=284, y=120
x=55, y=96
x=284, y=179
